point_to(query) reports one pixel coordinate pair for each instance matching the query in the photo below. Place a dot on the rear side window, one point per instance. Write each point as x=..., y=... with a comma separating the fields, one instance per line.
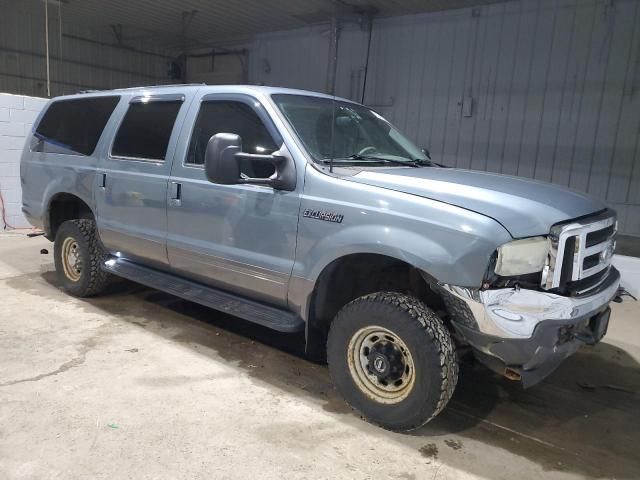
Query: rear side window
x=145, y=130
x=74, y=126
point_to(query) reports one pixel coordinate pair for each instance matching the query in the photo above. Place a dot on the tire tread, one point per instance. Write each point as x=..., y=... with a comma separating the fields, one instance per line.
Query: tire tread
x=97, y=278
x=433, y=326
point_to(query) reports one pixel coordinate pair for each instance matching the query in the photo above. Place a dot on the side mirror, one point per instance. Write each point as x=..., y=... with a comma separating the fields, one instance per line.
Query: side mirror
x=222, y=163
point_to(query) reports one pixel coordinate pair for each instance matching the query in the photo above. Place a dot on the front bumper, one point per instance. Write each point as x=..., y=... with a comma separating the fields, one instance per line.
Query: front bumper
x=529, y=332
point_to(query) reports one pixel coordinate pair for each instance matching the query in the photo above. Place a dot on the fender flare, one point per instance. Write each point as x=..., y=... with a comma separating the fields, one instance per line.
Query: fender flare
x=50, y=198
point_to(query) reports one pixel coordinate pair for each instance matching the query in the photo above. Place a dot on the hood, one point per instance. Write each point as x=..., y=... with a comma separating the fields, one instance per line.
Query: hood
x=524, y=207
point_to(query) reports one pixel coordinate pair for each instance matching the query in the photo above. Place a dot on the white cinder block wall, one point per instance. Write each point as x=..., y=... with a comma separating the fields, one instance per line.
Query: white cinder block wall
x=17, y=114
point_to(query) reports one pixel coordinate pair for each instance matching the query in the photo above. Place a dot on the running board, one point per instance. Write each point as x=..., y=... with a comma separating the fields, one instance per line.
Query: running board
x=250, y=310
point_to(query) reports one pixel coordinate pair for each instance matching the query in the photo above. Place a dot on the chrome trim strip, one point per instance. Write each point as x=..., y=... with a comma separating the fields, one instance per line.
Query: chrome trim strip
x=154, y=161
x=595, y=285
x=596, y=248
x=593, y=270
x=244, y=269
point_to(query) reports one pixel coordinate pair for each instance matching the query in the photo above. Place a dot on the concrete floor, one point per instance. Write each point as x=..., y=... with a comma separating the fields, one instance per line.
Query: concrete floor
x=138, y=384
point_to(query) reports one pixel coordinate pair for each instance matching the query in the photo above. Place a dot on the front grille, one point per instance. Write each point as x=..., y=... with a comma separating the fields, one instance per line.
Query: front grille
x=591, y=261
x=599, y=236
x=580, y=254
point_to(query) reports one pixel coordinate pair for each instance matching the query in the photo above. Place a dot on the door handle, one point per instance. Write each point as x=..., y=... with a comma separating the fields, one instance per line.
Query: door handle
x=175, y=193
x=102, y=180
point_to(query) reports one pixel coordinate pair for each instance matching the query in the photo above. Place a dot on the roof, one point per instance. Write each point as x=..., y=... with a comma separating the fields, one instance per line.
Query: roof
x=182, y=88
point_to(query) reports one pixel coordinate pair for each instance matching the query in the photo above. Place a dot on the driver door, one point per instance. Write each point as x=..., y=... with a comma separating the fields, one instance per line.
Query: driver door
x=239, y=238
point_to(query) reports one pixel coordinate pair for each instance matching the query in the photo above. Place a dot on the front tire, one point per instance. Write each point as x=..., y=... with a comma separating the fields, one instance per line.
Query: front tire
x=78, y=256
x=392, y=359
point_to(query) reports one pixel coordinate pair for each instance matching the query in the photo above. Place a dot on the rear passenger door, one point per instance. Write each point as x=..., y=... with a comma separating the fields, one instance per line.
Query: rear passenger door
x=131, y=190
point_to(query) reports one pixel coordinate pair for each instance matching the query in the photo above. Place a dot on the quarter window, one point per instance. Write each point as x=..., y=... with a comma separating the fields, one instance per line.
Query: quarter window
x=145, y=130
x=74, y=126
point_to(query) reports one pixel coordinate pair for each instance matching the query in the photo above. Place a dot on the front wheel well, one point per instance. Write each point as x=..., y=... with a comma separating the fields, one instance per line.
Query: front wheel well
x=353, y=276
x=63, y=207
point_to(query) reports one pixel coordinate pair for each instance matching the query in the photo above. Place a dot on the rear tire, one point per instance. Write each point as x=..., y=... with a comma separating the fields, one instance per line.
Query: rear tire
x=78, y=256
x=392, y=359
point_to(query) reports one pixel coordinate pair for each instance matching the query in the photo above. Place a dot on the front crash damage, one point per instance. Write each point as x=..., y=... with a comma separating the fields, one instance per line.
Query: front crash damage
x=526, y=334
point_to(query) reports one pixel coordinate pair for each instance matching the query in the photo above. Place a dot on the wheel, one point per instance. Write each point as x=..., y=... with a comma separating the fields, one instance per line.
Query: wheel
x=392, y=359
x=78, y=255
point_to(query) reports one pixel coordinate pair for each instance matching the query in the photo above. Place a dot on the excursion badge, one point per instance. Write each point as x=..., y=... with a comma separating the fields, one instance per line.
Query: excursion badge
x=323, y=215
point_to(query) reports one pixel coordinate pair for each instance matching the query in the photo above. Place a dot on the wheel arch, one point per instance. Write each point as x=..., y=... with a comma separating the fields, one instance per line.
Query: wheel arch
x=356, y=274
x=63, y=206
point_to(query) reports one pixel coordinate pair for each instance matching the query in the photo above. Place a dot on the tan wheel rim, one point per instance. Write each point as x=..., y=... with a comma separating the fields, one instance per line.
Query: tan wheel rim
x=71, y=261
x=381, y=364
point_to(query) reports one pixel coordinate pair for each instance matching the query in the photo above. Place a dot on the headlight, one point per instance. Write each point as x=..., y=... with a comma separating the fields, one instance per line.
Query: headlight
x=522, y=256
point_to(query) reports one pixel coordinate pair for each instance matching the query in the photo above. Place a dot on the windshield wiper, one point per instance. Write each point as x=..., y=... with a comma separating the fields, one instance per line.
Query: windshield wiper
x=375, y=158
x=430, y=163
x=356, y=158
x=44, y=138
x=416, y=163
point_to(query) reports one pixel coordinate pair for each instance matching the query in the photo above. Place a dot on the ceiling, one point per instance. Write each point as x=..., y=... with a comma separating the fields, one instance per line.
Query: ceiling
x=190, y=24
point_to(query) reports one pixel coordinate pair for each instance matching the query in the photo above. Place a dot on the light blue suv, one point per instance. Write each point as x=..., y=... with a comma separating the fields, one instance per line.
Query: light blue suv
x=303, y=212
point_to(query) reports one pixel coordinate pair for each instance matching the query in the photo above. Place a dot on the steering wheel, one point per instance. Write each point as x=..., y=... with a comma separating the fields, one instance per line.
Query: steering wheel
x=366, y=150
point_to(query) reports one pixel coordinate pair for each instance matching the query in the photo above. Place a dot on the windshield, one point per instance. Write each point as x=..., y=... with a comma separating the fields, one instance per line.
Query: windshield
x=359, y=134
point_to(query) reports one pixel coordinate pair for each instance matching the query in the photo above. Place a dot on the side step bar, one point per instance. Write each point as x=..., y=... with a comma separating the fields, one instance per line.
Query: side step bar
x=250, y=310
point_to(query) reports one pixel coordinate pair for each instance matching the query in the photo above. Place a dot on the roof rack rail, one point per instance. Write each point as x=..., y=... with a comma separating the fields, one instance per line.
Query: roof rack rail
x=163, y=86
x=95, y=90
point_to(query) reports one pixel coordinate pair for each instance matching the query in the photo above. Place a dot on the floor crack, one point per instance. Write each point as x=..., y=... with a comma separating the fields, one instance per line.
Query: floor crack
x=74, y=362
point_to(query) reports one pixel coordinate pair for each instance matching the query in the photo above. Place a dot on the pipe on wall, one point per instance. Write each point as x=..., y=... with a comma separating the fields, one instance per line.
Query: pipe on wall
x=46, y=45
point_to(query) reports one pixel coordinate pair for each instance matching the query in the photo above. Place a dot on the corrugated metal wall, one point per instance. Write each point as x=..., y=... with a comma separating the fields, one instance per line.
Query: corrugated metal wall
x=90, y=59
x=545, y=89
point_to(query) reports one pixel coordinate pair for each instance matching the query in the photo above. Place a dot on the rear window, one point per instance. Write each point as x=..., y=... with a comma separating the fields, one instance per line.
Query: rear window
x=74, y=126
x=146, y=129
